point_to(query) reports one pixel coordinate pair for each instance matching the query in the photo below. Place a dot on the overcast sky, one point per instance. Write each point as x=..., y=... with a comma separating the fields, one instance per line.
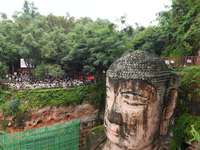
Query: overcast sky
x=136, y=11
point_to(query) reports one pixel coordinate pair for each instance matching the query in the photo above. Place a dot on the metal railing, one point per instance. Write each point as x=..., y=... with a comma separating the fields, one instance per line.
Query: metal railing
x=183, y=61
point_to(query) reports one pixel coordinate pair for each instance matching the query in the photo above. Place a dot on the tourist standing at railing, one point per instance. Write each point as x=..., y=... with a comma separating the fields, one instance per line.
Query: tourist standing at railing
x=18, y=83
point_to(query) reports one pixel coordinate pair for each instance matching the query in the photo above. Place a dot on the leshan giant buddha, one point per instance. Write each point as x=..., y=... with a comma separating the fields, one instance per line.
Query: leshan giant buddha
x=141, y=98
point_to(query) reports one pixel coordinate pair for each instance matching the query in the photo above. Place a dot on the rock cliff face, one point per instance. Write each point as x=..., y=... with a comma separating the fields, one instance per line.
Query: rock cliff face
x=46, y=116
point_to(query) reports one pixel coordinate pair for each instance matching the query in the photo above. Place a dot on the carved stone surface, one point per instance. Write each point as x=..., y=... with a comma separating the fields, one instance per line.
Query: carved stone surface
x=141, y=98
x=95, y=139
x=50, y=116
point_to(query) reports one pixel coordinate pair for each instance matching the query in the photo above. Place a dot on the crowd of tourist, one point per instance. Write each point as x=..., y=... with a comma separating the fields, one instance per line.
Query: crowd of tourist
x=23, y=82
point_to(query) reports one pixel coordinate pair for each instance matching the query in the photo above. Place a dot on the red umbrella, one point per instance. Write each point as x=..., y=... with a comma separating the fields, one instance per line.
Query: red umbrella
x=91, y=78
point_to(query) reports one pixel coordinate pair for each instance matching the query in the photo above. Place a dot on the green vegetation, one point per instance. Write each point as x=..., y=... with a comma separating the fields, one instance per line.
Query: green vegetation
x=13, y=107
x=68, y=44
x=21, y=101
x=190, y=81
x=3, y=69
x=98, y=128
x=179, y=28
x=190, y=77
x=97, y=131
x=55, y=70
x=186, y=126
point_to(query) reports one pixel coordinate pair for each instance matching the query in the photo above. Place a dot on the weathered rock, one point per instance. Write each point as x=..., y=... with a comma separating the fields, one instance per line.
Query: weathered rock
x=97, y=136
x=49, y=116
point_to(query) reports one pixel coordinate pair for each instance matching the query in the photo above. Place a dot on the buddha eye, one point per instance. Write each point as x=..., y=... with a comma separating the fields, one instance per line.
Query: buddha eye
x=126, y=96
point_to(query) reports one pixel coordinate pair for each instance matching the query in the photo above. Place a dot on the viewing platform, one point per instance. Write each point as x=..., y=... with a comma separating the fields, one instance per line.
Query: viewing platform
x=181, y=62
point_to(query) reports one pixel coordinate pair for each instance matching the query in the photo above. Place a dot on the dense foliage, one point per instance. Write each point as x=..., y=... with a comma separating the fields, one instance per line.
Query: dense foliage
x=3, y=69
x=13, y=107
x=190, y=77
x=91, y=46
x=190, y=81
x=180, y=28
x=186, y=126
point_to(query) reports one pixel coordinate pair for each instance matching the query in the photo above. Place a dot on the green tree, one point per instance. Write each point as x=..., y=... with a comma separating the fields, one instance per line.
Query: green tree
x=78, y=50
x=54, y=45
x=178, y=25
x=30, y=9
x=55, y=70
x=95, y=45
x=150, y=40
x=3, y=16
x=67, y=23
x=9, y=51
x=3, y=69
x=31, y=45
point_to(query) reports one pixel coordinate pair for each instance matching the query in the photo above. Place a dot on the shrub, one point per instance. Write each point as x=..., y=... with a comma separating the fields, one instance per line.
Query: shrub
x=13, y=107
x=185, y=127
x=190, y=77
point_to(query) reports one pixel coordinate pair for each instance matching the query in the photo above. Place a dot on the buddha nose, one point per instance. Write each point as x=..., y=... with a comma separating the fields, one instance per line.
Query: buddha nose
x=114, y=117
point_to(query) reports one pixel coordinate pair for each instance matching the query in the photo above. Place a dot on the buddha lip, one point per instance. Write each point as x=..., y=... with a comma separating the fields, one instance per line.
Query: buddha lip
x=112, y=132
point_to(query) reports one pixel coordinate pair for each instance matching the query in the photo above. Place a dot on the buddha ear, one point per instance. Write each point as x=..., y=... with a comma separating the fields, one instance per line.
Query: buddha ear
x=168, y=110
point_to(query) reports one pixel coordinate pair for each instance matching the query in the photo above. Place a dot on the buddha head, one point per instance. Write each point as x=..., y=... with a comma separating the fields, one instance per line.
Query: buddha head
x=140, y=101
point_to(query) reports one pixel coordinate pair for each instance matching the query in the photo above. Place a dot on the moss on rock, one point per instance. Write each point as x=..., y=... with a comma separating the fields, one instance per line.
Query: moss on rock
x=94, y=138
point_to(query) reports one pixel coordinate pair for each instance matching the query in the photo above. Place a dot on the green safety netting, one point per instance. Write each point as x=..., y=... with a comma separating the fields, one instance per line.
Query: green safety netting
x=57, y=137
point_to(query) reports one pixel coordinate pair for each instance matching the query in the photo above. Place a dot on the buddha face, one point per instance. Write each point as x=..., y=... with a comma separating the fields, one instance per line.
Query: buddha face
x=132, y=115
